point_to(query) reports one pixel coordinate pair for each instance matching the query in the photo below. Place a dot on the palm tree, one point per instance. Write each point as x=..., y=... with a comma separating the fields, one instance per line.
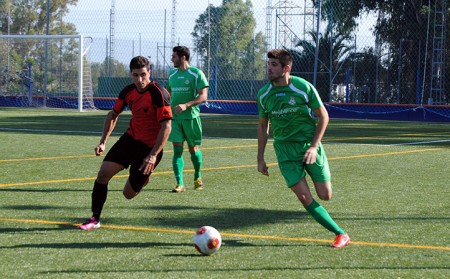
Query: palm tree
x=333, y=47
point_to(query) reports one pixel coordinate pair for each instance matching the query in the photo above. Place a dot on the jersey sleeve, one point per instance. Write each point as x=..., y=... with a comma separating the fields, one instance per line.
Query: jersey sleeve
x=121, y=102
x=262, y=111
x=314, y=99
x=161, y=100
x=202, y=80
x=168, y=88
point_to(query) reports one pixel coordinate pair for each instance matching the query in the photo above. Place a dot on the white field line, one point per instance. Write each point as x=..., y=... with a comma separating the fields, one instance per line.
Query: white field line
x=418, y=142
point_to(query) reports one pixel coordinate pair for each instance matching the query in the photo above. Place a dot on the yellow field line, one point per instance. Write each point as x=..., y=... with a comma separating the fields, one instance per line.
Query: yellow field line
x=119, y=176
x=189, y=232
x=389, y=153
x=222, y=168
x=88, y=156
x=45, y=158
x=386, y=136
x=204, y=148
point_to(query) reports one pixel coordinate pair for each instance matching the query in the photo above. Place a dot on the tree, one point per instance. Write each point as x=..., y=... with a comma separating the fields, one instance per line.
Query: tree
x=228, y=31
x=104, y=69
x=29, y=17
x=336, y=43
x=402, y=29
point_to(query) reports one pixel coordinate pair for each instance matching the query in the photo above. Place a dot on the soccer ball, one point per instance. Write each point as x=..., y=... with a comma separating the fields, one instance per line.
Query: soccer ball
x=207, y=240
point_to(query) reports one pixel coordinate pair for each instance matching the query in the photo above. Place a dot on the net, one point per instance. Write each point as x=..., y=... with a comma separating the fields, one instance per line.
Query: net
x=46, y=71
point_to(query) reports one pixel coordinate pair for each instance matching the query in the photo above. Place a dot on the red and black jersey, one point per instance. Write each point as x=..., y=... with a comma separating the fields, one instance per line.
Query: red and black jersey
x=148, y=109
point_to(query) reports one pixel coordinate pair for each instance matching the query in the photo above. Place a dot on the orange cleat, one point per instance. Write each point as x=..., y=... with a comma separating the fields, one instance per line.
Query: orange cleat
x=341, y=241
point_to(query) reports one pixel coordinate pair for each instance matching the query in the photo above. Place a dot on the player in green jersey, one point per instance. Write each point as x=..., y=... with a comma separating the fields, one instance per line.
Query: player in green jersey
x=286, y=102
x=188, y=87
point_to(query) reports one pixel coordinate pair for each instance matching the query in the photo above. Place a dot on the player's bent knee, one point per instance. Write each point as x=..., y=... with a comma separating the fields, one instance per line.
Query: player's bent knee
x=129, y=196
x=129, y=191
x=323, y=190
x=325, y=197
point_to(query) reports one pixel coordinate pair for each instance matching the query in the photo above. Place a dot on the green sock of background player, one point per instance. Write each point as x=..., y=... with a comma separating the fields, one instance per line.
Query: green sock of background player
x=197, y=161
x=178, y=164
x=321, y=215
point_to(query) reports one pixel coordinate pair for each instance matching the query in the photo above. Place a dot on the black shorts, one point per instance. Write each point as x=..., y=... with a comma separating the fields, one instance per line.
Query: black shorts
x=128, y=151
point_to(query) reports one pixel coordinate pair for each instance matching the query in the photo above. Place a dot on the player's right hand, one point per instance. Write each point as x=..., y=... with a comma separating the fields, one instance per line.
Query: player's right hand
x=99, y=149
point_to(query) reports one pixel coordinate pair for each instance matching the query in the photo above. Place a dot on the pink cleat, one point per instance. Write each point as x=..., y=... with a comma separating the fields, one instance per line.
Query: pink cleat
x=90, y=224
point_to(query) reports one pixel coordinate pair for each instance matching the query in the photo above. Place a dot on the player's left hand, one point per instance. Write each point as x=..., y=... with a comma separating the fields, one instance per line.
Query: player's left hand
x=148, y=165
x=310, y=155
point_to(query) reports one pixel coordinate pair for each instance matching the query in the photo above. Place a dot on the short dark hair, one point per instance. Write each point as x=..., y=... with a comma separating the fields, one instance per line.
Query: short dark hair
x=182, y=51
x=139, y=62
x=281, y=54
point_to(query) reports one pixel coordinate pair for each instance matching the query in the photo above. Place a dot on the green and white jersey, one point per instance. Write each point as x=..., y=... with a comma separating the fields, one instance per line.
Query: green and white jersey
x=289, y=109
x=183, y=87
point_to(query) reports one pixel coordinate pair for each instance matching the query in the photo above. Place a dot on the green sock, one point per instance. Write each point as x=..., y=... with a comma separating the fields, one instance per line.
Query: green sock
x=197, y=160
x=321, y=215
x=178, y=164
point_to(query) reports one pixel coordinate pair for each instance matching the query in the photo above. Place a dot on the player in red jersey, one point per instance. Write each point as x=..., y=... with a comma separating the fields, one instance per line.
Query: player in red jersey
x=141, y=146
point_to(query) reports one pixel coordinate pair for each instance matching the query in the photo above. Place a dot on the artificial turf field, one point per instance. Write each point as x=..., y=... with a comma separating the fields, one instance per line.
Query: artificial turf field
x=391, y=195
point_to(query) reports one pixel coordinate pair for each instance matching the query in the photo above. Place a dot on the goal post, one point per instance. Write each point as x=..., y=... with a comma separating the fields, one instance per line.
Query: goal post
x=46, y=71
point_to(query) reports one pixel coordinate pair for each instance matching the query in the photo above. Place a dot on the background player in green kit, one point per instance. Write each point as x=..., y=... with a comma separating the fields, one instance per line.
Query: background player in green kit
x=286, y=102
x=188, y=87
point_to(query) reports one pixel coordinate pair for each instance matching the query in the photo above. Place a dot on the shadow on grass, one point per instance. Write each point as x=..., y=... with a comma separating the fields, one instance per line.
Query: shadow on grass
x=98, y=245
x=228, y=126
x=31, y=207
x=227, y=271
x=57, y=124
x=186, y=217
x=235, y=218
x=119, y=245
x=89, y=189
x=35, y=230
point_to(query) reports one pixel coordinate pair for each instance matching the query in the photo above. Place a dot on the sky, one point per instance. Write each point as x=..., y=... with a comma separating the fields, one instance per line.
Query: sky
x=185, y=9
x=182, y=5
x=146, y=25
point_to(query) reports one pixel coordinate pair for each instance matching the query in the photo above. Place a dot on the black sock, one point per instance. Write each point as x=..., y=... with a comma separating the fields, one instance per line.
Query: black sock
x=99, y=194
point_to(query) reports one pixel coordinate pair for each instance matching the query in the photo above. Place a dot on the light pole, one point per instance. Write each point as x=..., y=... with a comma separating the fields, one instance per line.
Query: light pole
x=399, y=71
x=47, y=26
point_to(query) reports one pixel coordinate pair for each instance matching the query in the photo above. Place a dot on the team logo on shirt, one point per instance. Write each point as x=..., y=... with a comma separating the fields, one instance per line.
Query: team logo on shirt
x=292, y=101
x=186, y=82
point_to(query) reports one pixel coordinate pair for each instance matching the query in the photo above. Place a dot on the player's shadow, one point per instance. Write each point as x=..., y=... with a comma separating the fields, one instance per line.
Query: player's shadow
x=87, y=126
x=97, y=245
x=224, y=218
x=54, y=190
x=31, y=207
x=226, y=272
x=35, y=230
x=143, y=245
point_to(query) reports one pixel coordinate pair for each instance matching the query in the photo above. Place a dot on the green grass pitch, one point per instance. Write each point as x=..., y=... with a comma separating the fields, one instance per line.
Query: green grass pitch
x=391, y=194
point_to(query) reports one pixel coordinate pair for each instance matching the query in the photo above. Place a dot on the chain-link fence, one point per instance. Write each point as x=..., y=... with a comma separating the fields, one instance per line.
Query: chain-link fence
x=360, y=52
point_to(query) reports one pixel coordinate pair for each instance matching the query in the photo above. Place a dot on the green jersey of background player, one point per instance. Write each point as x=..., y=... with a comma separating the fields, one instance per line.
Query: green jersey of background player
x=286, y=102
x=188, y=87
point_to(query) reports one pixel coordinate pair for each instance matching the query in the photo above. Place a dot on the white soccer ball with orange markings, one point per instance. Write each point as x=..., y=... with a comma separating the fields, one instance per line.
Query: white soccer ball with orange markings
x=207, y=240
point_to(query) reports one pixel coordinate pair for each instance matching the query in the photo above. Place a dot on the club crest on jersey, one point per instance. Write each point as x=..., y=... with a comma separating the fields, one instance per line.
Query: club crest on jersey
x=292, y=101
x=186, y=82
